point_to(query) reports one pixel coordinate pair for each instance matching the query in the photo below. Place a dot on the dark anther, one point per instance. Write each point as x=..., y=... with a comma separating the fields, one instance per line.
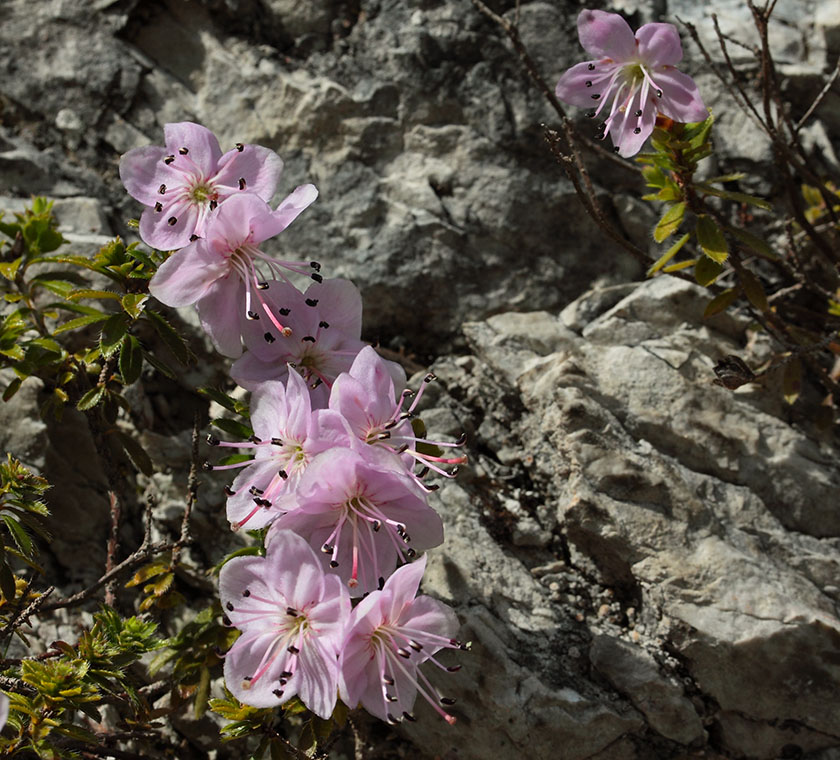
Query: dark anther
x=284, y=312
x=277, y=693
x=415, y=645
x=317, y=382
x=229, y=607
x=591, y=67
x=293, y=649
x=602, y=126
x=402, y=449
x=315, y=276
x=595, y=96
x=240, y=147
x=381, y=585
x=262, y=286
x=255, y=439
x=168, y=160
x=162, y=189
x=589, y=84
x=206, y=466
x=286, y=674
x=315, y=265
x=327, y=548
x=213, y=205
x=376, y=525
x=659, y=93
x=184, y=151
x=447, y=700
x=276, y=442
x=409, y=716
x=591, y=114
x=246, y=593
x=311, y=301
x=333, y=563
x=390, y=697
x=454, y=471
x=433, y=487
x=172, y=221
x=242, y=183
x=422, y=474
x=283, y=474
x=254, y=491
x=637, y=131
x=229, y=491
x=269, y=338
x=403, y=653
x=410, y=553
x=252, y=315
x=639, y=112
x=158, y=207
x=462, y=439
x=291, y=611
x=616, y=149
x=391, y=720
x=226, y=620
x=248, y=678
x=193, y=238
x=324, y=324
x=307, y=339
x=264, y=503
x=387, y=680
x=212, y=440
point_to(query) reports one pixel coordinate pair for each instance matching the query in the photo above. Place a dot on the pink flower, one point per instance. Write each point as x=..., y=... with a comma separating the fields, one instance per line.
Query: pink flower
x=362, y=511
x=286, y=439
x=390, y=633
x=362, y=405
x=635, y=74
x=183, y=182
x=321, y=341
x=292, y=617
x=222, y=274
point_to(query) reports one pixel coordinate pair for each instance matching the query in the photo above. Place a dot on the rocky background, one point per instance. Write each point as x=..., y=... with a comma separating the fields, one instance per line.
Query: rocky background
x=648, y=565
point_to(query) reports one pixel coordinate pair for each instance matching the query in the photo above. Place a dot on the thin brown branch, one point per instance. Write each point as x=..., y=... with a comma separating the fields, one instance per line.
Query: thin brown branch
x=23, y=616
x=192, y=494
x=113, y=545
x=820, y=96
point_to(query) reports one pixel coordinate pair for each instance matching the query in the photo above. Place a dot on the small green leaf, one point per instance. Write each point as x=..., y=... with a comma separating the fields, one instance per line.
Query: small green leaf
x=756, y=243
x=680, y=265
x=133, y=303
x=711, y=240
x=174, y=342
x=12, y=388
x=233, y=427
x=74, y=324
x=91, y=398
x=669, y=254
x=88, y=293
x=131, y=359
x=753, y=289
x=654, y=176
x=9, y=268
x=113, y=332
x=721, y=302
x=136, y=453
x=18, y=533
x=706, y=271
x=7, y=581
x=670, y=222
x=732, y=196
x=792, y=381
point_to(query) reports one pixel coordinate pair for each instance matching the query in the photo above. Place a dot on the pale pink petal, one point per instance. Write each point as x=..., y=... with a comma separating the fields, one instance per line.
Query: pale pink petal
x=659, y=45
x=200, y=143
x=681, y=100
x=299, y=407
x=340, y=304
x=316, y=679
x=292, y=206
x=606, y=35
x=403, y=586
x=259, y=167
x=624, y=125
x=572, y=86
x=187, y=275
x=355, y=666
x=249, y=371
x=241, y=509
x=269, y=409
x=158, y=231
x=246, y=658
x=240, y=573
x=220, y=310
x=142, y=171
x=427, y=614
x=236, y=220
x=296, y=572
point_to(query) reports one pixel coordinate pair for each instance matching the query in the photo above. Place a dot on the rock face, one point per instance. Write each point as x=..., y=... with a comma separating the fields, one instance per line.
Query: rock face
x=647, y=564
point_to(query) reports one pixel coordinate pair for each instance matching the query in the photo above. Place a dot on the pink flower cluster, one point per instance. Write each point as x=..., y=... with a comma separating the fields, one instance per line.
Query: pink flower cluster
x=338, y=474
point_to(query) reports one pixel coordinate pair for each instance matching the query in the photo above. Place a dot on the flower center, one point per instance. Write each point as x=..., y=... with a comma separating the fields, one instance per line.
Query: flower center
x=203, y=193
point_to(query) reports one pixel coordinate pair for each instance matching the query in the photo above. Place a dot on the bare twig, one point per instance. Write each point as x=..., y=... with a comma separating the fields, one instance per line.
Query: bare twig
x=23, y=616
x=822, y=93
x=113, y=545
x=192, y=494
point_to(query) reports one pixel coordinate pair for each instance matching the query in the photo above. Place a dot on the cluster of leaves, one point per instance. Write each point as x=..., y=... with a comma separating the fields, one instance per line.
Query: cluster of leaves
x=74, y=371
x=22, y=511
x=72, y=679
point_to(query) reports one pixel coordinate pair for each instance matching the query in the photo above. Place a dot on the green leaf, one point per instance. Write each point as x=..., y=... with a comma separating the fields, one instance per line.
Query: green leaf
x=711, y=239
x=654, y=176
x=12, y=388
x=19, y=534
x=756, y=243
x=734, y=177
x=112, y=333
x=174, y=342
x=74, y=324
x=669, y=254
x=136, y=453
x=753, y=289
x=91, y=398
x=706, y=270
x=233, y=427
x=721, y=302
x=131, y=359
x=698, y=133
x=202, y=693
x=670, y=222
x=160, y=366
x=7, y=581
x=88, y=293
x=680, y=265
x=732, y=196
x=133, y=303
x=9, y=268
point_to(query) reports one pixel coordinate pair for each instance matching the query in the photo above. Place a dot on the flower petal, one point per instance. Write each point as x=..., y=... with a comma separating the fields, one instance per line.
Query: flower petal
x=187, y=275
x=403, y=586
x=317, y=678
x=340, y=304
x=249, y=371
x=239, y=220
x=244, y=659
x=292, y=205
x=142, y=171
x=201, y=144
x=259, y=167
x=572, y=87
x=606, y=35
x=625, y=123
x=221, y=311
x=681, y=100
x=158, y=231
x=659, y=45
x=293, y=569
